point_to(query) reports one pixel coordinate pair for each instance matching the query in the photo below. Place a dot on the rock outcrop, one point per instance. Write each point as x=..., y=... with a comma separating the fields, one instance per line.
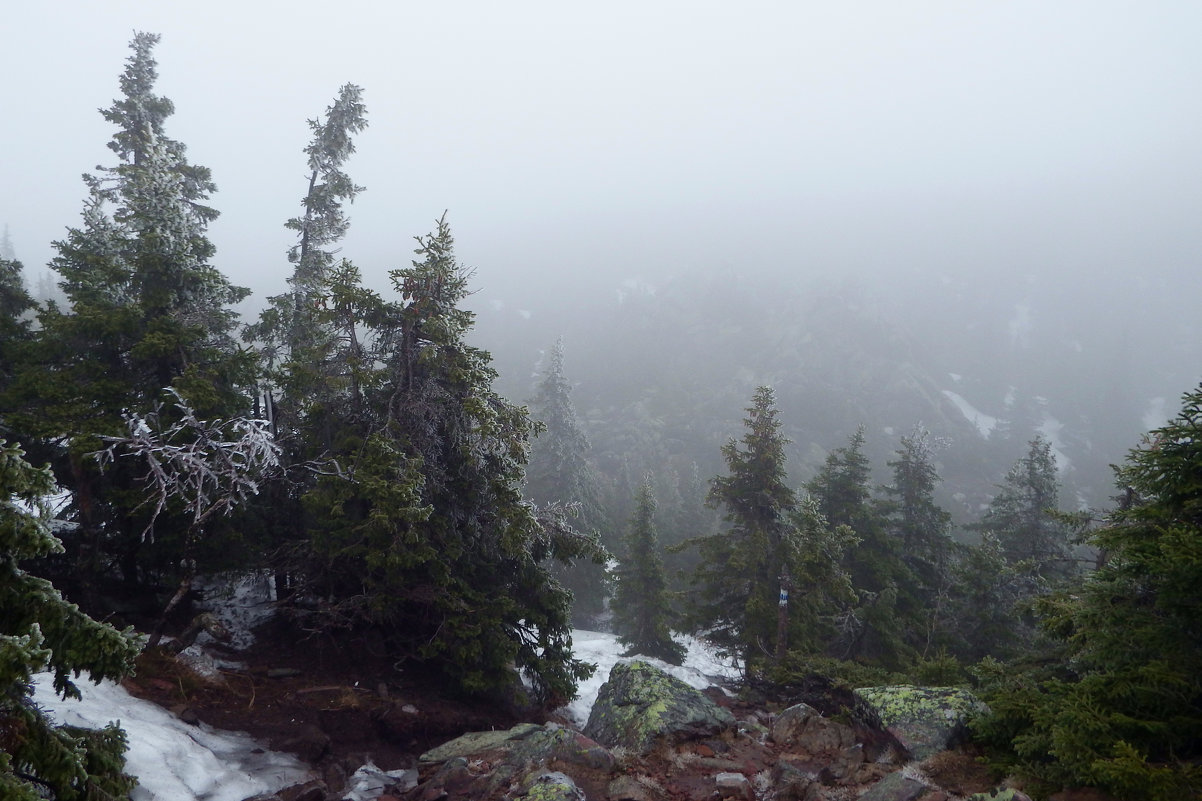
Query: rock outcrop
x=641, y=706
x=923, y=720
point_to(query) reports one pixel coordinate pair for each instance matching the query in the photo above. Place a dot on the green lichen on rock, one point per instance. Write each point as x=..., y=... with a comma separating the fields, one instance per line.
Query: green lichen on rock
x=641, y=705
x=520, y=754
x=477, y=742
x=924, y=720
x=553, y=786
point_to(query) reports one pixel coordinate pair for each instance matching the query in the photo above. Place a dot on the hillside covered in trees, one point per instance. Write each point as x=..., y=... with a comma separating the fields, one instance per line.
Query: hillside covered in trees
x=791, y=477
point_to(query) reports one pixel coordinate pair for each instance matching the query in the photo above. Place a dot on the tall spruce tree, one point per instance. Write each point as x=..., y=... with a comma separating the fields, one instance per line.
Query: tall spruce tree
x=641, y=609
x=15, y=303
x=424, y=541
x=887, y=621
x=315, y=340
x=40, y=630
x=1124, y=711
x=774, y=548
x=7, y=251
x=920, y=526
x=690, y=520
x=1022, y=514
x=559, y=472
x=148, y=315
x=294, y=336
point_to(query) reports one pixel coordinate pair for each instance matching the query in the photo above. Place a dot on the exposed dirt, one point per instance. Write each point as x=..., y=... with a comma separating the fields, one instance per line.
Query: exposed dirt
x=335, y=708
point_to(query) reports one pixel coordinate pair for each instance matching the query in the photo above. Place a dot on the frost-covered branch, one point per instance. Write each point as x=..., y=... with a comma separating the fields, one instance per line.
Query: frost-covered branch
x=206, y=466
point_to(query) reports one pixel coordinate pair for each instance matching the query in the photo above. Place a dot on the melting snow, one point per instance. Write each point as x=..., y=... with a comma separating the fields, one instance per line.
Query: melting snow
x=175, y=761
x=984, y=423
x=172, y=760
x=1050, y=429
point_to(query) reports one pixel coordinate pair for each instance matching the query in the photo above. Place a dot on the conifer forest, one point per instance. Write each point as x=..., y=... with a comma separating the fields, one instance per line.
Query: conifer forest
x=788, y=471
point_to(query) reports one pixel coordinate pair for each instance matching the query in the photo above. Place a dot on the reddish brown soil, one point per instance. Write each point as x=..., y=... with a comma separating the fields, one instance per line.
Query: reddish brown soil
x=366, y=708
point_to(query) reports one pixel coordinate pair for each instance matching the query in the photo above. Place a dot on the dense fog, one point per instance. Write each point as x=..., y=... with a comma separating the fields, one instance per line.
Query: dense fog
x=965, y=216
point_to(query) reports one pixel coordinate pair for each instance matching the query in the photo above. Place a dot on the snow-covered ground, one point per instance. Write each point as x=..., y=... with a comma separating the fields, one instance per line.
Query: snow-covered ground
x=175, y=761
x=984, y=423
x=172, y=760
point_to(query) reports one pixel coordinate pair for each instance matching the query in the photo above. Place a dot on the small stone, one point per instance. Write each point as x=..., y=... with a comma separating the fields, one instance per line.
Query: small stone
x=734, y=785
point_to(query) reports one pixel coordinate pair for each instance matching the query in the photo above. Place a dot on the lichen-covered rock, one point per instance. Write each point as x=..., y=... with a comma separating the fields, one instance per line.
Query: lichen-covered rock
x=476, y=742
x=487, y=764
x=552, y=786
x=640, y=706
x=923, y=720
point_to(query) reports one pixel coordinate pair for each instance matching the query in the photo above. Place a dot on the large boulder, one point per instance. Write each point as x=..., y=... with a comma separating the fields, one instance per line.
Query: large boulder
x=488, y=764
x=803, y=727
x=923, y=720
x=641, y=706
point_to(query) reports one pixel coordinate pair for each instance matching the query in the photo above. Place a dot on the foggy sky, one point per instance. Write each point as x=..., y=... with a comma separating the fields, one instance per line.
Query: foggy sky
x=588, y=143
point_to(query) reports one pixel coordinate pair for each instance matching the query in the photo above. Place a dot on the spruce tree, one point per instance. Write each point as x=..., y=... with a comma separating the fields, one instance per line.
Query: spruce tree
x=148, y=316
x=919, y=526
x=39, y=630
x=422, y=538
x=559, y=472
x=1124, y=712
x=888, y=619
x=641, y=610
x=15, y=303
x=690, y=520
x=293, y=333
x=1022, y=514
x=315, y=340
x=773, y=549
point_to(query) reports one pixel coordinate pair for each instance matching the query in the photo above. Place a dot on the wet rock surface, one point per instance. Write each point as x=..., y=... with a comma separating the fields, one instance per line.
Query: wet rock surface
x=642, y=706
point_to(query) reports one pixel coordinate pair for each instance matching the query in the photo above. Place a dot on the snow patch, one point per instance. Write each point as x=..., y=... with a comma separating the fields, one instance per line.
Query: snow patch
x=1050, y=430
x=984, y=423
x=173, y=761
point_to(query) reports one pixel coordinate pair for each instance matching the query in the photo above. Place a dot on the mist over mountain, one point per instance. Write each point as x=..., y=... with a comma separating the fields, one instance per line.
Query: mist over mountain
x=664, y=367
